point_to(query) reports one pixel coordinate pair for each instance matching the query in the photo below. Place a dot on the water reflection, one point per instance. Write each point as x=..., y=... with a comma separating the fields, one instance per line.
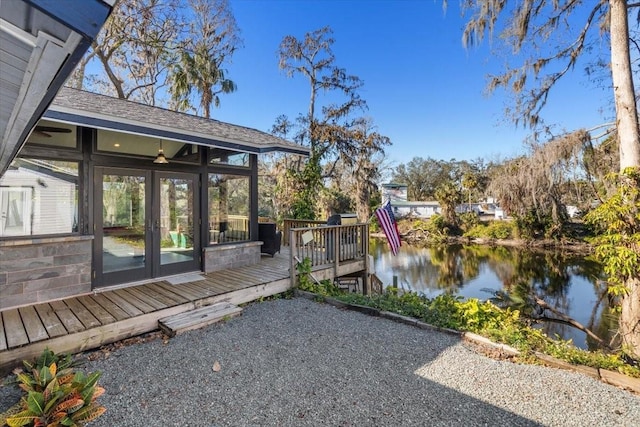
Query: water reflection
x=567, y=282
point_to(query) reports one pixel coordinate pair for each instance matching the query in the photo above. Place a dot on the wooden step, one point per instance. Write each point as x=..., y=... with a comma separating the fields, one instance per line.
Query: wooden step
x=198, y=318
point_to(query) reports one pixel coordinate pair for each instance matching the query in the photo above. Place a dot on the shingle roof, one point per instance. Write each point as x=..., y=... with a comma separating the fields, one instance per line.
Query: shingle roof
x=105, y=112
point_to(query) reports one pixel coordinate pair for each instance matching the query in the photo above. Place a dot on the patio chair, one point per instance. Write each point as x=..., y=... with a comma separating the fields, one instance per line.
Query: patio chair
x=270, y=237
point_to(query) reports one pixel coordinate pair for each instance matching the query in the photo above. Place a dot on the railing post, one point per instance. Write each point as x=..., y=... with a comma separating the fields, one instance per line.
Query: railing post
x=293, y=271
x=336, y=249
x=366, y=283
x=286, y=227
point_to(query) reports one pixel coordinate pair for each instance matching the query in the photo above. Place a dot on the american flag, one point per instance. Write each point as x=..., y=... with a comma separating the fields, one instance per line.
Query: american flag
x=388, y=223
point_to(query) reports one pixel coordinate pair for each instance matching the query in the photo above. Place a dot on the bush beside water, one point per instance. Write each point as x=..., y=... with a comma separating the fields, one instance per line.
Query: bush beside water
x=484, y=318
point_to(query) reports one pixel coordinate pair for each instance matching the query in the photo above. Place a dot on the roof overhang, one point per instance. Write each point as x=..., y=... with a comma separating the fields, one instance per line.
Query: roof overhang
x=82, y=108
x=41, y=42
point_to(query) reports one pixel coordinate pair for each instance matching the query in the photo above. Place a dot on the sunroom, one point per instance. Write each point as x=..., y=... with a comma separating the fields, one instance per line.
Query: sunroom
x=106, y=192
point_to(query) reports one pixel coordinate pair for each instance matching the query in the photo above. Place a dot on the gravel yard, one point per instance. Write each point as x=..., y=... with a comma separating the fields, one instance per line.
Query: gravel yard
x=300, y=363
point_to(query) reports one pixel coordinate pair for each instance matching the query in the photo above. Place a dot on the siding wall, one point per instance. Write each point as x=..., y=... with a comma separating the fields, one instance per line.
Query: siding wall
x=38, y=270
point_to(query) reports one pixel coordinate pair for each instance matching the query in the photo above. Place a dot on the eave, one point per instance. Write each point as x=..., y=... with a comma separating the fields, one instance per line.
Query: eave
x=41, y=42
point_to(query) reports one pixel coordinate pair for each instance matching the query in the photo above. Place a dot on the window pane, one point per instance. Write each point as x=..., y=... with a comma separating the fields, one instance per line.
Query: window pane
x=39, y=197
x=228, y=208
x=226, y=157
x=123, y=222
x=176, y=220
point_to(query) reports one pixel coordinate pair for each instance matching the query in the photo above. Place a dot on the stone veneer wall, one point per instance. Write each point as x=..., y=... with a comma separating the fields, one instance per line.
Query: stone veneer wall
x=38, y=270
x=236, y=255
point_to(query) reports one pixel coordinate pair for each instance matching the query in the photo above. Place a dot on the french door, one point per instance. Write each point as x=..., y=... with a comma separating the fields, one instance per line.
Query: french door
x=145, y=224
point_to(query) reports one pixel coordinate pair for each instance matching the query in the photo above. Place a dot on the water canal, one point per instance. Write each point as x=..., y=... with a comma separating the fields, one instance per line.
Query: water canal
x=570, y=283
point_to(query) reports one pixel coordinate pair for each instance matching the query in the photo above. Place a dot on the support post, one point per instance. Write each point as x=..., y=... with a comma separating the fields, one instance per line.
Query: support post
x=366, y=283
x=293, y=271
x=336, y=249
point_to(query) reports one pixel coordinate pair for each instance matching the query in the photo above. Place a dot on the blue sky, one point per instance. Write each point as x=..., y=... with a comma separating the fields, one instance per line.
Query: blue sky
x=425, y=91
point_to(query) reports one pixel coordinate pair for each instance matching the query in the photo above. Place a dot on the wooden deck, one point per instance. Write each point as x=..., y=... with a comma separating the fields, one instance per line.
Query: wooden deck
x=104, y=316
x=89, y=321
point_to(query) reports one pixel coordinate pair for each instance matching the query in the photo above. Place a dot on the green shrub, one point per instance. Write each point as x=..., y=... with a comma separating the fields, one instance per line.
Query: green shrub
x=532, y=226
x=307, y=283
x=501, y=230
x=486, y=319
x=56, y=395
x=492, y=230
x=478, y=231
x=469, y=220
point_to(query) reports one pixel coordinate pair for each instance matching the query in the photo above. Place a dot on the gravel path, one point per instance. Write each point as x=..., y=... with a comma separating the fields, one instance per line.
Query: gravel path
x=300, y=363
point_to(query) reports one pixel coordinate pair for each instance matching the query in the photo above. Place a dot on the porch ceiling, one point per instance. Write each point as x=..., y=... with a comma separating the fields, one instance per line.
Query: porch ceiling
x=41, y=41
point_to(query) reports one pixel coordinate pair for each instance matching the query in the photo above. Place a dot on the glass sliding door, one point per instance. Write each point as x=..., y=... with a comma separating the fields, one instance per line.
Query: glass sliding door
x=122, y=225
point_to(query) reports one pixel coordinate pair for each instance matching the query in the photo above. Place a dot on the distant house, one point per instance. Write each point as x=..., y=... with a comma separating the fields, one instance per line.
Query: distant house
x=426, y=209
x=394, y=192
x=397, y=195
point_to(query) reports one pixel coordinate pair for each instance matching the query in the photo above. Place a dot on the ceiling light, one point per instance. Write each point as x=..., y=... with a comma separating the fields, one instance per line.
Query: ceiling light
x=160, y=158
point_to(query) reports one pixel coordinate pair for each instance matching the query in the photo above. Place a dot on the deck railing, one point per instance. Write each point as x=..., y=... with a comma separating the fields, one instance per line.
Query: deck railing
x=329, y=246
x=288, y=224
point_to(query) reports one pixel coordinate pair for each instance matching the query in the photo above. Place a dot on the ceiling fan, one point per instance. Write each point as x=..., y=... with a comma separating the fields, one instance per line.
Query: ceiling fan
x=46, y=131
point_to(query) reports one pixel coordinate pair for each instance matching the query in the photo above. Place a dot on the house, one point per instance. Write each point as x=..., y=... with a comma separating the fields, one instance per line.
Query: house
x=394, y=192
x=98, y=194
x=107, y=191
x=97, y=191
x=424, y=209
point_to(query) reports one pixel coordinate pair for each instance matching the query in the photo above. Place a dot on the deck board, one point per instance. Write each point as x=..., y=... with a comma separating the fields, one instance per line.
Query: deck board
x=52, y=324
x=69, y=320
x=143, y=297
x=32, y=324
x=80, y=311
x=119, y=297
x=168, y=293
x=231, y=282
x=281, y=272
x=214, y=287
x=3, y=339
x=221, y=282
x=198, y=318
x=16, y=335
x=139, y=301
x=112, y=308
x=196, y=290
x=180, y=290
x=208, y=288
x=247, y=278
x=151, y=291
x=96, y=309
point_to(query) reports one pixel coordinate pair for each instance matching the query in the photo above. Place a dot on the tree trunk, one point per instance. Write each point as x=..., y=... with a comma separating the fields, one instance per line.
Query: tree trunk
x=629, y=323
x=629, y=139
x=623, y=90
x=363, y=211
